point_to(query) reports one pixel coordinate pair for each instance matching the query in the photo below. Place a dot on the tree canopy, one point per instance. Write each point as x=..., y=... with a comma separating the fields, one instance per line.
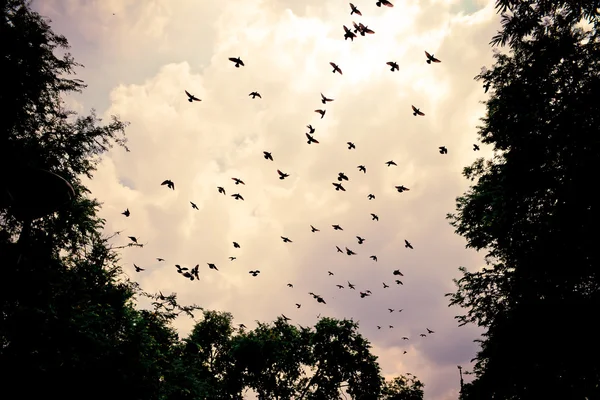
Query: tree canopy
x=69, y=323
x=533, y=210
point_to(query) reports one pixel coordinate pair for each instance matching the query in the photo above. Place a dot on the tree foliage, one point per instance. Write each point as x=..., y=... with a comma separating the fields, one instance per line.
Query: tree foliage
x=533, y=210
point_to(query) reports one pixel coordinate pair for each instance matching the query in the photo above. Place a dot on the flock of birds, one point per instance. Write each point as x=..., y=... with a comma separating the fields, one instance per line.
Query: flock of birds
x=193, y=273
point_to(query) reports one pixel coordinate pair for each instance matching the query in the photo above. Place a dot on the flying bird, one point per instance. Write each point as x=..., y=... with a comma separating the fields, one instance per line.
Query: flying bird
x=242, y=326
x=236, y=245
x=354, y=10
x=221, y=189
x=313, y=229
x=390, y=163
x=443, y=150
x=285, y=240
x=351, y=286
x=350, y=145
x=254, y=273
x=338, y=186
x=267, y=155
x=374, y=258
x=282, y=175
x=298, y=305
x=342, y=176
x=311, y=139
x=431, y=58
x=404, y=338
x=360, y=240
x=401, y=188
x=339, y=250
x=310, y=127
x=180, y=269
x=133, y=239
x=160, y=259
x=385, y=286
x=339, y=286
x=324, y=99
x=429, y=330
x=423, y=335
x=407, y=244
x=348, y=34
x=169, y=184
x=363, y=169
x=384, y=2
x=391, y=310
x=322, y=112
x=475, y=147
x=416, y=111
x=399, y=282
x=126, y=213
x=397, y=272
x=374, y=217
x=335, y=68
x=394, y=66
x=232, y=258
x=290, y=285
x=238, y=181
x=212, y=266
x=138, y=269
x=238, y=61
x=237, y=196
x=364, y=294
x=337, y=227
x=191, y=97
x=255, y=95
x=330, y=273
x=371, y=196
x=350, y=252
x=363, y=29
x=194, y=206
x=286, y=318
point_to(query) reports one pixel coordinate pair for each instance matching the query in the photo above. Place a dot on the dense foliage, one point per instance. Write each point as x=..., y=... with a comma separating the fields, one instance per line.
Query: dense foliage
x=69, y=327
x=533, y=209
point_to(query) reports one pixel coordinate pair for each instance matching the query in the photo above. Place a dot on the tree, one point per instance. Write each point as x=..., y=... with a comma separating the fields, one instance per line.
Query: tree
x=403, y=388
x=533, y=209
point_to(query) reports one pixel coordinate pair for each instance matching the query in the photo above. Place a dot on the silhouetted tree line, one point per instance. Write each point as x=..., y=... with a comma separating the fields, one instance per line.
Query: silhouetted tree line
x=69, y=326
x=534, y=208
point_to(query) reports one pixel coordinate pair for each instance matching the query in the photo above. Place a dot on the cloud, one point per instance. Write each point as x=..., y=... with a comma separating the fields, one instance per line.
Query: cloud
x=138, y=64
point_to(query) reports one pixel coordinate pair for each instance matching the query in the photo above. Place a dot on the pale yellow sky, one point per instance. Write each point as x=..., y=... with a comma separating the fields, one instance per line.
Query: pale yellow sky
x=139, y=61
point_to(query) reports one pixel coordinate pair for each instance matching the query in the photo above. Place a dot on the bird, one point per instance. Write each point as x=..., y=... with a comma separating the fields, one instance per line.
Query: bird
x=138, y=269
x=255, y=95
x=431, y=58
x=236, y=245
x=401, y=189
x=350, y=252
x=160, y=259
x=313, y=229
x=374, y=258
x=378, y=327
x=298, y=305
x=310, y=127
x=238, y=61
x=254, y=273
x=342, y=176
x=238, y=181
x=350, y=145
x=391, y=310
x=290, y=285
x=399, y=282
x=133, y=239
x=232, y=258
x=404, y=338
x=285, y=318
x=475, y=147
x=339, y=250
x=390, y=163
x=220, y=189
x=180, y=269
x=322, y=112
x=416, y=111
x=267, y=155
x=374, y=217
x=351, y=286
x=324, y=99
x=371, y=196
x=338, y=186
x=212, y=266
x=348, y=34
x=360, y=240
x=285, y=240
x=443, y=150
x=242, y=326
x=394, y=66
x=169, y=184
x=407, y=244
x=126, y=213
x=429, y=330
x=337, y=228
x=364, y=29
x=339, y=286
x=330, y=273
x=363, y=169
x=364, y=294
x=311, y=139
x=384, y=2
x=354, y=10
x=237, y=196
x=397, y=272
x=487, y=87
x=336, y=68
x=191, y=97
x=385, y=286
x=194, y=206
x=391, y=326
x=423, y=335
x=282, y=175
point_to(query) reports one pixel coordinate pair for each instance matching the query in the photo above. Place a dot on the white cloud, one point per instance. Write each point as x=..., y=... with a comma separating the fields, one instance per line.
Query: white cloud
x=140, y=61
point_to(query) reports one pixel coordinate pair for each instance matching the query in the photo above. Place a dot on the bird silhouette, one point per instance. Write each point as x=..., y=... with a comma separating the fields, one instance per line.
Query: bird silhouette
x=212, y=266
x=354, y=10
x=267, y=155
x=401, y=188
x=311, y=139
x=322, y=112
x=311, y=129
x=160, y=259
x=423, y=335
x=371, y=196
x=232, y=258
x=342, y=176
x=416, y=111
x=133, y=239
x=391, y=310
x=298, y=305
x=399, y=282
x=394, y=66
x=407, y=244
x=254, y=273
x=429, y=330
x=443, y=150
x=374, y=217
x=255, y=95
x=397, y=272
x=290, y=285
x=337, y=227
x=339, y=286
x=385, y=286
x=362, y=169
x=285, y=240
x=313, y=229
x=390, y=163
x=350, y=145
x=138, y=269
x=339, y=250
x=336, y=68
x=169, y=184
x=282, y=175
x=191, y=97
x=194, y=206
x=363, y=29
x=286, y=319
x=348, y=34
x=237, y=60
x=431, y=58
x=351, y=286
x=236, y=245
x=360, y=240
x=475, y=147
x=404, y=338
x=374, y=258
x=238, y=181
x=237, y=196
x=338, y=186
x=350, y=252
x=324, y=99
x=330, y=273
x=126, y=213
x=384, y=3
x=221, y=190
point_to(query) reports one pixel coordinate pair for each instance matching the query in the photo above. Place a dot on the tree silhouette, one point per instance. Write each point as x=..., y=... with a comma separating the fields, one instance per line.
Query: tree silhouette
x=533, y=210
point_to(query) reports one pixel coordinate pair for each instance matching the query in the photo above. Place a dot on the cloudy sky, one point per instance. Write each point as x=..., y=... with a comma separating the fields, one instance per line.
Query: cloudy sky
x=140, y=56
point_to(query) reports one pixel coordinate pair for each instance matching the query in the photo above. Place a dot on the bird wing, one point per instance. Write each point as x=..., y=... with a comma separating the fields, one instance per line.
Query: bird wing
x=428, y=55
x=414, y=108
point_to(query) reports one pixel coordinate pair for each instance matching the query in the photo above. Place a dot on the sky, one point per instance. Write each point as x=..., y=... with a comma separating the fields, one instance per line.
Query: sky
x=140, y=56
